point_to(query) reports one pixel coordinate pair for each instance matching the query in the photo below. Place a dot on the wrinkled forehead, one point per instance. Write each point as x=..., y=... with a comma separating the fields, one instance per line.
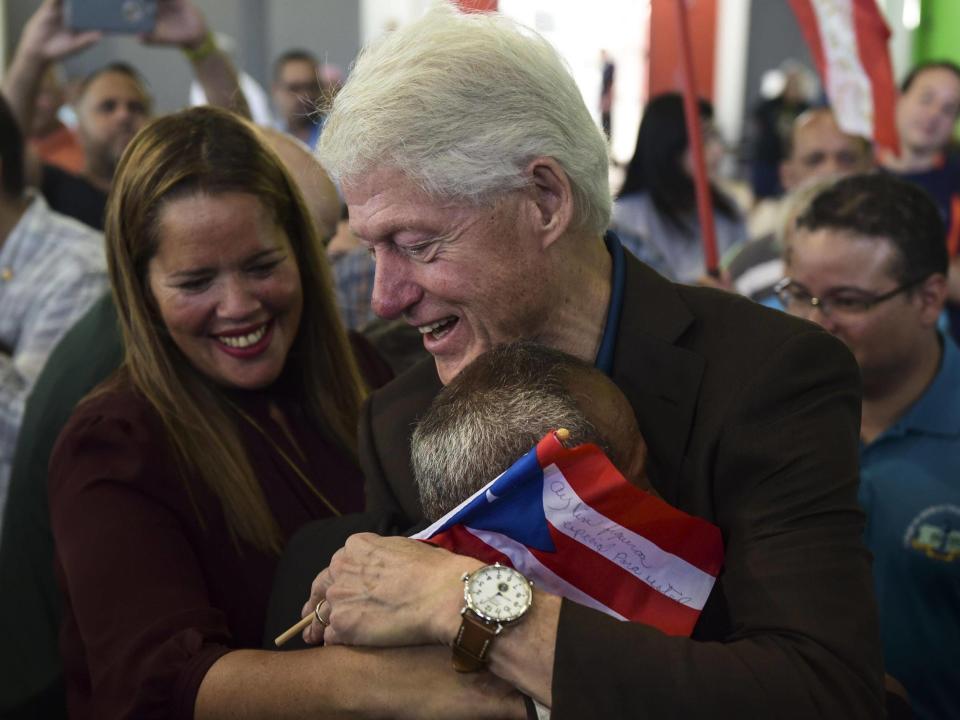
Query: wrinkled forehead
x=385, y=197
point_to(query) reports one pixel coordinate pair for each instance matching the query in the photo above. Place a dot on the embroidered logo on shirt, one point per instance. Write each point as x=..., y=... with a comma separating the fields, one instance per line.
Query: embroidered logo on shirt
x=935, y=532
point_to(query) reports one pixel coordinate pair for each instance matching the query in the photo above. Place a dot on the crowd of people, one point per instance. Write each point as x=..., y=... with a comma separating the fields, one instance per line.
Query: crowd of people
x=240, y=364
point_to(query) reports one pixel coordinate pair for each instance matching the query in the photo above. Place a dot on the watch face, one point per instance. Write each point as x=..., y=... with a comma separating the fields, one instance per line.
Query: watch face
x=498, y=593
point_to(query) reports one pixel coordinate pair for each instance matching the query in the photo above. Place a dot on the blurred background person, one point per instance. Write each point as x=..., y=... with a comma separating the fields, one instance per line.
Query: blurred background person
x=113, y=101
x=297, y=94
x=51, y=269
x=655, y=213
x=818, y=149
x=815, y=147
x=772, y=119
x=607, y=71
x=926, y=114
x=52, y=141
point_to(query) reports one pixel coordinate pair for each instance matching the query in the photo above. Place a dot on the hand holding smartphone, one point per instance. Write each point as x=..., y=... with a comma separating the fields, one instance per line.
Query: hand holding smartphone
x=111, y=16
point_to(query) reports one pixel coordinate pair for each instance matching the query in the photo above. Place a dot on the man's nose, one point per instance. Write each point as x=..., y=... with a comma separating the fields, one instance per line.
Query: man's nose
x=237, y=299
x=125, y=115
x=817, y=315
x=393, y=290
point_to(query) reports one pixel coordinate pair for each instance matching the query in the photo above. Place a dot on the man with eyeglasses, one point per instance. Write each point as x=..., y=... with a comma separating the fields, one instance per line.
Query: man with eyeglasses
x=867, y=261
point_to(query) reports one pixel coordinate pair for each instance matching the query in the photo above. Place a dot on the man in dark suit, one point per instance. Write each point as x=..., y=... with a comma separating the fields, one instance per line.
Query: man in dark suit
x=476, y=176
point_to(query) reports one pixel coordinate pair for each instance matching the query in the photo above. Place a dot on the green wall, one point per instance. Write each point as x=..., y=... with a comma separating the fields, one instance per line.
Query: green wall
x=938, y=37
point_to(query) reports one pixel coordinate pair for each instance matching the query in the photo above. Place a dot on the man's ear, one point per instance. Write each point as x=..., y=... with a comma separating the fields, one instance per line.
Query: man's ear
x=636, y=471
x=552, y=199
x=932, y=294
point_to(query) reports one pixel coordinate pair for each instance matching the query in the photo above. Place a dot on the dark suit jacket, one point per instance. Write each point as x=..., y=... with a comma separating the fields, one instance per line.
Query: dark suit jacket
x=752, y=422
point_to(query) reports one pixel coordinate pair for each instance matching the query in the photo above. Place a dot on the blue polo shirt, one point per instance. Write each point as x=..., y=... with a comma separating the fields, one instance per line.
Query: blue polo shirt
x=910, y=490
x=618, y=278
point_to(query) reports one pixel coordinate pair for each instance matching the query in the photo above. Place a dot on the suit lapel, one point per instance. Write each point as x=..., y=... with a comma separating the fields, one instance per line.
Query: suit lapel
x=394, y=411
x=660, y=379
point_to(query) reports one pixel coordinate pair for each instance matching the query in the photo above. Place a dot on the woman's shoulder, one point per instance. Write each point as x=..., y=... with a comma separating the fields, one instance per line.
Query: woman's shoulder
x=114, y=431
x=115, y=399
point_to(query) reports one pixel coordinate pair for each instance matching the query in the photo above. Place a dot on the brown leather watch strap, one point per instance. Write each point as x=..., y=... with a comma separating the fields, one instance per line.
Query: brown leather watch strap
x=472, y=643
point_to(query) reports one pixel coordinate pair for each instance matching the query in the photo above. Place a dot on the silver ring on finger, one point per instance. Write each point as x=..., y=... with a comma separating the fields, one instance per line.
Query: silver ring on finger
x=316, y=612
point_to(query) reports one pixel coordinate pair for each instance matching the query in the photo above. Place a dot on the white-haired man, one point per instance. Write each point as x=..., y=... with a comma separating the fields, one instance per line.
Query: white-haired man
x=474, y=173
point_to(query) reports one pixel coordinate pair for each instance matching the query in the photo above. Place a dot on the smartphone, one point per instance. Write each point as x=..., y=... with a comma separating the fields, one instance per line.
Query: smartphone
x=111, y=16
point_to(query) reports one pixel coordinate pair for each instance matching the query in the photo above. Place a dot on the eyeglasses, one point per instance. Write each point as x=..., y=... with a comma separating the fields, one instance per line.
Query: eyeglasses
x=847, y=302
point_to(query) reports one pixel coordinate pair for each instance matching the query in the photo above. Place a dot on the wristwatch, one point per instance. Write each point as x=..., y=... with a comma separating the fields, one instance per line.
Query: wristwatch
x=495, y=596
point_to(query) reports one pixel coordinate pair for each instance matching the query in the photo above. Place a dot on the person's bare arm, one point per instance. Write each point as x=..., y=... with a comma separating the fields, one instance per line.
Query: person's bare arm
x=180, y=22
x=800, y=637
x=340, y=682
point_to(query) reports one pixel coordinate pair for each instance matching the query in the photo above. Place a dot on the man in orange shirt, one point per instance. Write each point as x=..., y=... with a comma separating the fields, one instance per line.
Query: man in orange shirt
x=52, y=141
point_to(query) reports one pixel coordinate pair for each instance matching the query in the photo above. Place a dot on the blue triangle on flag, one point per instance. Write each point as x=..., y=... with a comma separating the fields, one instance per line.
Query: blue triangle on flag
x=514, y=506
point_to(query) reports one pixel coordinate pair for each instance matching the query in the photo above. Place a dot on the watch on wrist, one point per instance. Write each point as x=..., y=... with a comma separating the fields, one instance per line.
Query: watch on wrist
x=495, y=597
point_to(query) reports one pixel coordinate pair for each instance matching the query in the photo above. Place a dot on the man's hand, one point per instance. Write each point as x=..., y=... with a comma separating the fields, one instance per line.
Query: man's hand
x=395, y=591
x=45, y=38
x=179, y=22
x=387, y=592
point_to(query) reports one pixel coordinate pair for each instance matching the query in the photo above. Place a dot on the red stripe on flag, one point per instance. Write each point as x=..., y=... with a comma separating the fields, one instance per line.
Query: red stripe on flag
x=603, y=488
x=807, y=18
x=615, y=587
x=459, y=540
x=873, y=36
x=550, y=449
x=953, y=233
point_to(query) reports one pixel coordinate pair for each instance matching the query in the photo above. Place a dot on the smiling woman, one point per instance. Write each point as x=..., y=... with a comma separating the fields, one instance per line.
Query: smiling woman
x=227, y=287
x=230, y=424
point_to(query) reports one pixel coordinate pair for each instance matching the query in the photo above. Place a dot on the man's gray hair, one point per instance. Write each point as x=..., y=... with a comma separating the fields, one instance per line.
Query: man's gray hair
x=493, y=412
x=461, y=103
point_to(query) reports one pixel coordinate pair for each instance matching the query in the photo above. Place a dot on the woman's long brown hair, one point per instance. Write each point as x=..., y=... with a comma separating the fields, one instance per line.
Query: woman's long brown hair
x=211, y=151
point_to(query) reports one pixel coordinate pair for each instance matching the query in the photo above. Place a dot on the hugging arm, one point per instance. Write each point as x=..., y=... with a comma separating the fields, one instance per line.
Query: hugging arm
x=795, y=594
